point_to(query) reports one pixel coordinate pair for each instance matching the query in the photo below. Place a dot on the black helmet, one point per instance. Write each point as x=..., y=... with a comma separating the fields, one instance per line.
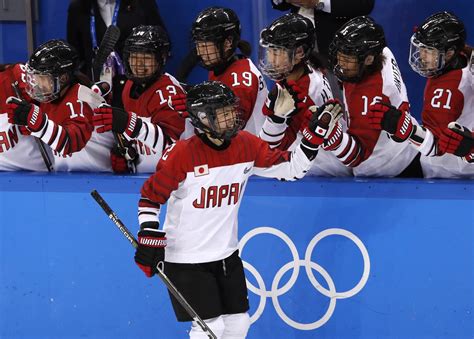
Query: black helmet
x=56, y=60
x=285, y=33
x=216, y=24
x=438, y=34
x=359, y=37
x=207, y=100
x=150, y=40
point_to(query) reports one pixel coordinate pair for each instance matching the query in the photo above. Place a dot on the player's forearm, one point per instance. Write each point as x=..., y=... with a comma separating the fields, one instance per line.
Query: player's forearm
x=273, y=131
x=64, y=139
x=148, y=212
x=347, y=149
x=298, y=164
x=151, y=135
x=423, y=141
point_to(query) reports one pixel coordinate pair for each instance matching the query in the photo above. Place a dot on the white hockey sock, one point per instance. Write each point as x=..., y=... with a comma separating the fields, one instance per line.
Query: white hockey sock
x=236, y=325
x=215, y=324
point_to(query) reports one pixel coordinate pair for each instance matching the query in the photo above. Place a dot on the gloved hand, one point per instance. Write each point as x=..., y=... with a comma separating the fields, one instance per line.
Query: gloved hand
x=390, y=119
x=108, y=118
x=177, y=102
x=457, y=140
x=123, y=159
x=23, y=113
x=150, y=250
x=280, y=103
x=324, y=123
x=299, y=95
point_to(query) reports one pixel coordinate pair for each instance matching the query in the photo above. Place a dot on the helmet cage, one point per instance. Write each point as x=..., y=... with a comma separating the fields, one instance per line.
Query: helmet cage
x=419, y=55
x=215, y=56
x=276, y=62
x=45, y=90
x=218, y=116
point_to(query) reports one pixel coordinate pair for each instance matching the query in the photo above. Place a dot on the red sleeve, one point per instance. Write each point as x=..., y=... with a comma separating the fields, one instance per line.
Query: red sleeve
x=268, y=157
x=162, y=115
x=443, y=102
x=169, y=173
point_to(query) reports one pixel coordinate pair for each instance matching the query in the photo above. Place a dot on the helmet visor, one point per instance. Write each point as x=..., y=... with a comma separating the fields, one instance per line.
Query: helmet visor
x=425, y=60
x=41, y=86
x=276, y=62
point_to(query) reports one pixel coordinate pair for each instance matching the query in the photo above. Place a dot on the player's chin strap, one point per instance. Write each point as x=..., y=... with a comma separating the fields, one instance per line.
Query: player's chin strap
x=160, y=266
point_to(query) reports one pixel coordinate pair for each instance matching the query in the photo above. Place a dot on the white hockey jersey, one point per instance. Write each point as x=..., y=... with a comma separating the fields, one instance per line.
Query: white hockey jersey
x=287, y=136
x=203, y=187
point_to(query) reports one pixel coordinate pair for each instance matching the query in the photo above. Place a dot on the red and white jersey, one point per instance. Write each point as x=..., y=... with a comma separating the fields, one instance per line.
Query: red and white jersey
x=18, y=150
x=161, y=124
x=204, y=186
x=286, y=136
x=95, y=156
x=448, y=97
x=378, y=154
x=69, y=127
x=247, y=83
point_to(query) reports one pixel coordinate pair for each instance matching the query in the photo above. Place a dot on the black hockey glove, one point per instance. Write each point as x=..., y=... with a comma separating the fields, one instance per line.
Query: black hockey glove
x=150, y=250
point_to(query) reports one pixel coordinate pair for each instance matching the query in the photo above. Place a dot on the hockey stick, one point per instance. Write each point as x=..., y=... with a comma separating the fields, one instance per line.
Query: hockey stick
x=42, y=148
x=107, y=45
x=102, y=203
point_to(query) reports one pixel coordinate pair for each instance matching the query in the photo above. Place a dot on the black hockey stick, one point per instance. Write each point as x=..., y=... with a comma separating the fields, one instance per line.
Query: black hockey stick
x=41, y=146
x=102, y=203
x=107, y=45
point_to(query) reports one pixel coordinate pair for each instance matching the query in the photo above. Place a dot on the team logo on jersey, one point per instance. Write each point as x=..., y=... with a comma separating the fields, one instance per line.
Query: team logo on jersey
x=247, y=169
x=199, y=171
x=217, y=196
x=8, y=139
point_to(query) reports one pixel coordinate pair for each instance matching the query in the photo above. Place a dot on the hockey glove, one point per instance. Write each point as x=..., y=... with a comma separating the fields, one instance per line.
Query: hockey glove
x=323, y=125
x=280, y=104
x=178, y=103
x=390, y=119
x=298, y=94
x=107, y=118
x=21, y=112
x=150, y=250
x=456, y=139
x=123, y=159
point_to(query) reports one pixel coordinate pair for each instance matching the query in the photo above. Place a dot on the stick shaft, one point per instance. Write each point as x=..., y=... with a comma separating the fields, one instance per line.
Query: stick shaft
x=102, y=203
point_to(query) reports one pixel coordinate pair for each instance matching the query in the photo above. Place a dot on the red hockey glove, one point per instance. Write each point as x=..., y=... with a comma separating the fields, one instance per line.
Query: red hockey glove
x=108, y=118
x=298, y=94
x=457, y=140
x=395, y=122
x=21, y=112
x=150, y=250
x=323, y=124
x=177, y=103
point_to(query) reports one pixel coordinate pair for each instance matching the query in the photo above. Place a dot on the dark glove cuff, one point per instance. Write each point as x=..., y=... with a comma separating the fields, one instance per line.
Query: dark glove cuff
x=276, y=119
x=154, y=225
x=309, y=149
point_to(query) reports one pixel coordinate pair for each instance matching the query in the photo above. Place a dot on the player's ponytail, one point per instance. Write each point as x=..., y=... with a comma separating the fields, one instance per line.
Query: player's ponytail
x=317, y=61
x=245, y=47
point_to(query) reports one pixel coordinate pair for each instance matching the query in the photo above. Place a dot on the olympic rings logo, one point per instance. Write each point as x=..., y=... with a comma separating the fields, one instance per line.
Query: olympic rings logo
x=309, y=265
